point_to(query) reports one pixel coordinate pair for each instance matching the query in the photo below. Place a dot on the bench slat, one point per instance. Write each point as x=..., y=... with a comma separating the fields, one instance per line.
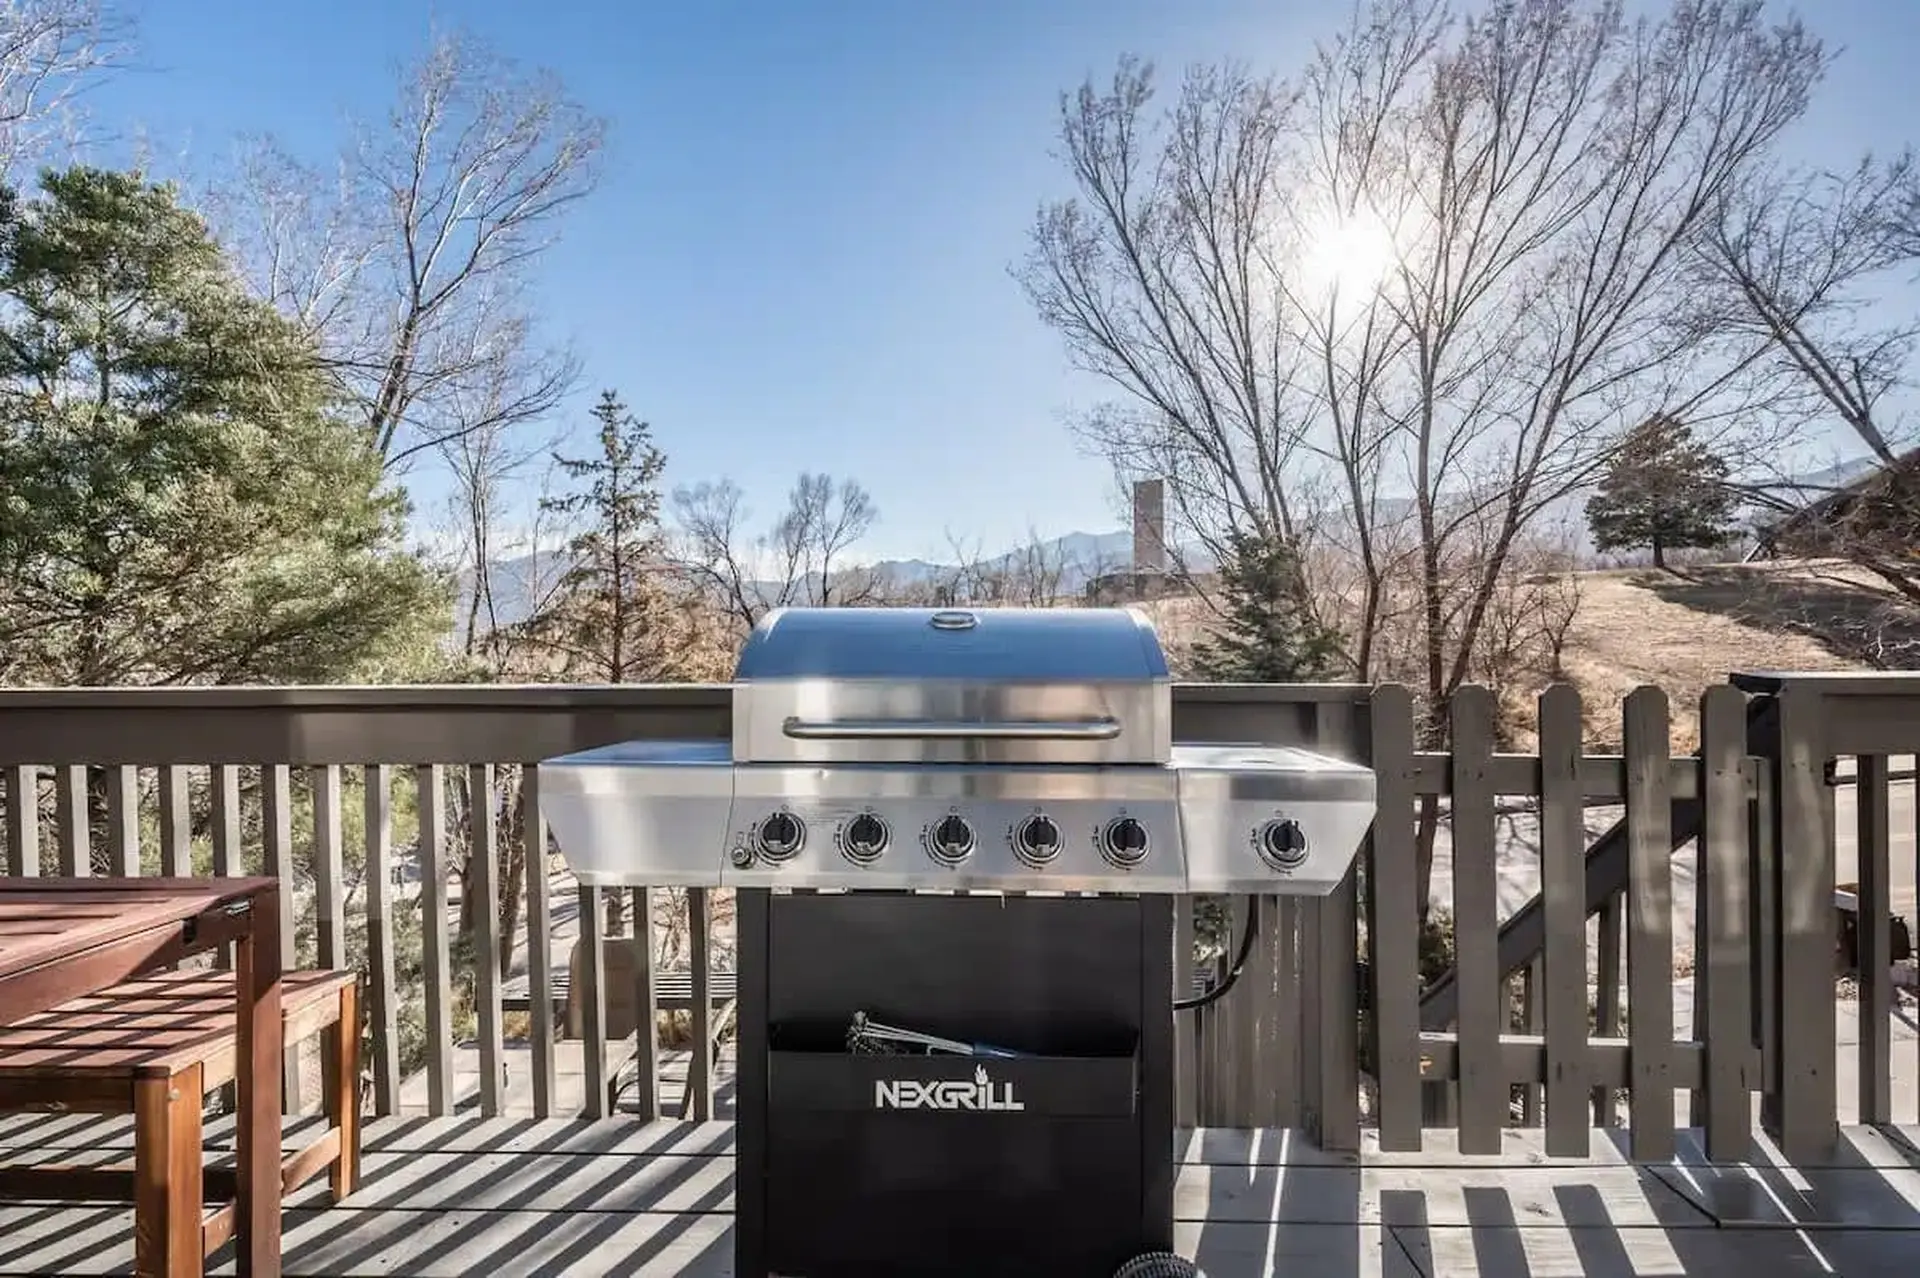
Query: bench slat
x=154, y=1024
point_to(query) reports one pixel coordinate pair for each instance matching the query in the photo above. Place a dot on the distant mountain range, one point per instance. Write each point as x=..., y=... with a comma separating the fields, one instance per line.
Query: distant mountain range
x=1079, y=557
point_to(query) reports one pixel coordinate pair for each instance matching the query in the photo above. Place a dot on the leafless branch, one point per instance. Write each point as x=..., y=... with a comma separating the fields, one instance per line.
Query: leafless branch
x=408, y=259
x=802, y=560
x=49, y=51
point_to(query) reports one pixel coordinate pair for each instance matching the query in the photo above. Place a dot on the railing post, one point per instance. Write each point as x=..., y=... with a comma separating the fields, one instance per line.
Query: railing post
x=1803, y=1093
x=1873, y=854
x=1723, y=966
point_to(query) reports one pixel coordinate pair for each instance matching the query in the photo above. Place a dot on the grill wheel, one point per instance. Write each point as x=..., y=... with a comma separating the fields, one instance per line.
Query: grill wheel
x=1159, y=1264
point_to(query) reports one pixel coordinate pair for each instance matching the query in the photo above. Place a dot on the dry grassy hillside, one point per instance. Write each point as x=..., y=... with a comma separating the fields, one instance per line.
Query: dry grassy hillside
x=1639, y=627
x=1686, y=631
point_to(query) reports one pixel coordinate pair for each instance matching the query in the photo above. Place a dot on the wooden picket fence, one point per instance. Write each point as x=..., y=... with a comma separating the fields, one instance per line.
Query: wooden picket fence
x=1324, y=1029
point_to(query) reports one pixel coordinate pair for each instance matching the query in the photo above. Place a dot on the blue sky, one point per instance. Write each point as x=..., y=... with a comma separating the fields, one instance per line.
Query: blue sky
x=797, y=258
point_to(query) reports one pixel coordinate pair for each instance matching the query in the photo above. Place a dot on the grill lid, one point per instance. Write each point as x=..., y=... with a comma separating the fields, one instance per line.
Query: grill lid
x=1048, y=645
x=956, y=685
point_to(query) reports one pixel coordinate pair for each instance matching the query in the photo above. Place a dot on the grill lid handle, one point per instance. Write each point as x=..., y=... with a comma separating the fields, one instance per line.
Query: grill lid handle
x=1103, y=729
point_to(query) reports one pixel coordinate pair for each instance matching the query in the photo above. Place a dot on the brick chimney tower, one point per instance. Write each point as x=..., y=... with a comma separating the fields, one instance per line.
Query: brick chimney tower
x=1149, y=527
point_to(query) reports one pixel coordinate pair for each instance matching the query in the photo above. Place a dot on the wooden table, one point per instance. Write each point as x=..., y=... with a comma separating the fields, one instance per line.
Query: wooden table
x=61, y=939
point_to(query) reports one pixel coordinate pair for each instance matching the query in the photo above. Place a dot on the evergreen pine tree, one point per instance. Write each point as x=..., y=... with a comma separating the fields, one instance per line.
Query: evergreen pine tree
x=1664, y=491
x=613, y=617
x=1267, y=632
x=179, y=500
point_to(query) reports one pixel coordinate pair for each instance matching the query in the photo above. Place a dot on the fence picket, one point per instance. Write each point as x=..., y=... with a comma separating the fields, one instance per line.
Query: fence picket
x=1393, y=923
x=589, y=978
x=646, y=1008
x=23, y=819
x=1563, y=887
x=70, y=820
x=483, y=880
x=533, y=828
x=228, y=859
x=1648, y=743
x=224, y=816
x=276, y=826
x=1484, y=1090
x=699, y=1105
x=329, y=877
x=436, y=956
x=383, y=1010
x=123, y=819
x=176, y=821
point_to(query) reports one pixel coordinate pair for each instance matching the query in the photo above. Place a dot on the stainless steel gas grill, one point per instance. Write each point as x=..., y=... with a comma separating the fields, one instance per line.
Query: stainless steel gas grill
x=961, y=1028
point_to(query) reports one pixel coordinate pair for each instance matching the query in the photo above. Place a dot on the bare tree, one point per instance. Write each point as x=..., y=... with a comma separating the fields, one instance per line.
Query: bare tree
x=802, y=560
x=409, y=258
x=487, y=466
x=823, y=521
x=1419, y=293
x=1794, y=253
x=49, y=49
x=1791, y=265
x=1038, y=573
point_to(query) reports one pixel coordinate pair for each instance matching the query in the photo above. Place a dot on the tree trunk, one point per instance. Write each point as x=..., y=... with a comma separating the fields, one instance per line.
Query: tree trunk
x=1659, y=554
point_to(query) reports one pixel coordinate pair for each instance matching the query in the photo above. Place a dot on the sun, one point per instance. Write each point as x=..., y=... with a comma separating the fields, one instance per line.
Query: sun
x=1345, y=257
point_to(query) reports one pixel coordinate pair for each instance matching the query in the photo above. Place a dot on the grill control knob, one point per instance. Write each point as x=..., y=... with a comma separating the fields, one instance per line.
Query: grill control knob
x=863, y=839
x=1036, y=840
x=950, y=841
x=1124, y=842
x=780, y=836
x=1282, y=844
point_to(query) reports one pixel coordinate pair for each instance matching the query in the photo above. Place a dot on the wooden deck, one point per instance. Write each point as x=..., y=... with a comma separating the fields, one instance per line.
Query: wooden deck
x=542, y=1199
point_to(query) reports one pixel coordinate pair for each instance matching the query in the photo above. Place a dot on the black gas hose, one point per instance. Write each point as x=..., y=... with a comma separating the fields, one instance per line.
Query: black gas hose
x=1239, y=963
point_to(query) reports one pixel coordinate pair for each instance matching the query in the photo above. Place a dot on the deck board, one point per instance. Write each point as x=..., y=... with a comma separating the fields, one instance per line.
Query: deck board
x=579, y=1199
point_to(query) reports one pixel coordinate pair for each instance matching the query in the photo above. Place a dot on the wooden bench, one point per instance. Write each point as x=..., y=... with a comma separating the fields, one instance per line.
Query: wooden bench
x=155, y=1048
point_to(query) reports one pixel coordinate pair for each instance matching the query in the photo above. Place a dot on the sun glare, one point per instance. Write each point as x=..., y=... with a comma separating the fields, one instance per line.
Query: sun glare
x=1347, y=257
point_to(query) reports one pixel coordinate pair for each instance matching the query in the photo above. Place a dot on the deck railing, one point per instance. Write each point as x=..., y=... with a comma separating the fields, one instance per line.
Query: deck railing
x=365, y=800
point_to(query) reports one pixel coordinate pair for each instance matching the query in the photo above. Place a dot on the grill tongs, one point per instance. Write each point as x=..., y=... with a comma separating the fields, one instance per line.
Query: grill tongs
x=866, y=1037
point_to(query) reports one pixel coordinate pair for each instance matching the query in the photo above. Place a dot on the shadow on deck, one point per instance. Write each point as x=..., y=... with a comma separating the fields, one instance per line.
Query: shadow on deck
x=545, y=1199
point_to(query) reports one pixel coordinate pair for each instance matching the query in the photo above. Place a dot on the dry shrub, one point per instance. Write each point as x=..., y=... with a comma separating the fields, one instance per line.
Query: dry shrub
x=1518, y=646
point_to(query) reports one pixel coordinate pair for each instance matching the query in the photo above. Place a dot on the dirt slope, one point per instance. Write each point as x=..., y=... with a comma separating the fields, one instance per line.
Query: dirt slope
x=1683, y=632
x=1632, y=630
